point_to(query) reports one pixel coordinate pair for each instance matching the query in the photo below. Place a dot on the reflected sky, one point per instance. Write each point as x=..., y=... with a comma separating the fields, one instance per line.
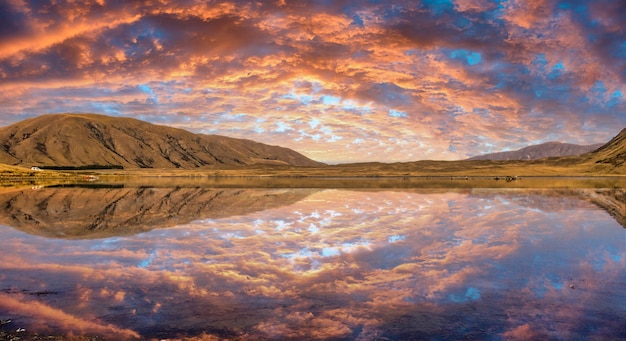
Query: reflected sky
x=337, y=264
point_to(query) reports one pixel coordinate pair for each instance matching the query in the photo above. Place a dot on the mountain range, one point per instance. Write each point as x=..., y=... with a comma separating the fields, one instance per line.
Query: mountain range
x=539, y=151
x=86, y=140
x=76, y=140
x=609, y=158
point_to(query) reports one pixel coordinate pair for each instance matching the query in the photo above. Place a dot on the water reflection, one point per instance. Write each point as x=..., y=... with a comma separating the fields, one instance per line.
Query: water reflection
x=338, y=264
x=83, y=212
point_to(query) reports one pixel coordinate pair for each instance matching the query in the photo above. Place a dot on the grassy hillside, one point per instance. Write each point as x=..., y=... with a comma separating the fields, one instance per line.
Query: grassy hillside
x=88, y=139
x=150, y=150
x=611, y=156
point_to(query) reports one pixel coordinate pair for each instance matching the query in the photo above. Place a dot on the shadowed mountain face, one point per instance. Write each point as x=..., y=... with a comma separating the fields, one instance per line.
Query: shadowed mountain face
x=548, y=149
x=613, y=152
x=88, y=139
x=105, y=212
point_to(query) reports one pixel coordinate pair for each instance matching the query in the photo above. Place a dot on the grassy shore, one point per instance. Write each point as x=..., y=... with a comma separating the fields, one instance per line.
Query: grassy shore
x=21, y=176
x=455, y=170
x=408, y=169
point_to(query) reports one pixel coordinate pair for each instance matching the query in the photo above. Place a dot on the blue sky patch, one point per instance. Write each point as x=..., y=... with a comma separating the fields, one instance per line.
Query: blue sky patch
x=470, y=57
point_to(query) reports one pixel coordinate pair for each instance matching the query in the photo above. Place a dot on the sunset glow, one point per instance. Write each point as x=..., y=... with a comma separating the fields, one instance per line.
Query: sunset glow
x=339, y=81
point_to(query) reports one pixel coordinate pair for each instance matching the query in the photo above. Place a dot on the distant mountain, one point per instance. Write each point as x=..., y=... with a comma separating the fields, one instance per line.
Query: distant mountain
x=89, y=139
x=548, y=149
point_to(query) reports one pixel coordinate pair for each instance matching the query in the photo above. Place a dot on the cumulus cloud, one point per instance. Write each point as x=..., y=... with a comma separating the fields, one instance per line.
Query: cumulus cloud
x=466, y=74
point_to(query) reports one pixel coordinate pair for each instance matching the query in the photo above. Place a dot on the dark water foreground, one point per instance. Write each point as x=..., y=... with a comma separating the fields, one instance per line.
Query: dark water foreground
x=294, y=263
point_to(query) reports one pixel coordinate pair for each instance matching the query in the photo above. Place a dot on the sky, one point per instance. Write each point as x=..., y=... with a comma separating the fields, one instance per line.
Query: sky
x=339, y=81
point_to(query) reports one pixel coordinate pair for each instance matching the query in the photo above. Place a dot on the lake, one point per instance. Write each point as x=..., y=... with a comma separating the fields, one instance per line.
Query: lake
x=378, y=262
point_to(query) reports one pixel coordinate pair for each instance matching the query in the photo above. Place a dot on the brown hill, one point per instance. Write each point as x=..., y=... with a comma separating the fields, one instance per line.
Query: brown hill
x=548, y=149
x=613, y=152
x=90, y=139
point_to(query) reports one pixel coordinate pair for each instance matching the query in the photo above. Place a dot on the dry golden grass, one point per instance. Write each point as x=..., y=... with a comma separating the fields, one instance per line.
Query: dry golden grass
x=101, y=140
x=76, y=140
x=18, y=176
x=606, y=161
x=409, y=169
x=586, y=166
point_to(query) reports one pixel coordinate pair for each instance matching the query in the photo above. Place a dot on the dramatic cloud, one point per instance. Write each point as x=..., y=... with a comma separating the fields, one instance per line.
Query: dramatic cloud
x=339, y=81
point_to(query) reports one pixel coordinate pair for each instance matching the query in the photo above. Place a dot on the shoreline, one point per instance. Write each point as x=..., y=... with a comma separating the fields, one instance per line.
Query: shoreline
x=402, y=173
x=320, y=181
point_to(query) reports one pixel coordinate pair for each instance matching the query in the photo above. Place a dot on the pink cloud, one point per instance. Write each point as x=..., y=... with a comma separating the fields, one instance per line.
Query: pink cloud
x=227, y=59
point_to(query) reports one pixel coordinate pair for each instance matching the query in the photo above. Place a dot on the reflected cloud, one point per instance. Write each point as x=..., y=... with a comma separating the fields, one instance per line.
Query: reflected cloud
x=612, y=200
x=56, y=318
x=348, y=264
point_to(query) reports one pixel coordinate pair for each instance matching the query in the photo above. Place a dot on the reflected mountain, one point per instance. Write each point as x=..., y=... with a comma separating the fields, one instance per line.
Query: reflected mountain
x=105, y=212
x=80, y=213
x=611, y=200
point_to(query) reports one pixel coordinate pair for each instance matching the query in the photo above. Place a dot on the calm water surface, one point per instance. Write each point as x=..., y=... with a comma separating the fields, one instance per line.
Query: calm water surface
x=263, y=263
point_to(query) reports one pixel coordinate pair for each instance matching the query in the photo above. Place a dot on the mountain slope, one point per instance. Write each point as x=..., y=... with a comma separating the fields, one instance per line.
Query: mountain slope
x=613, y=152
x=548, y=149
x=90, y=139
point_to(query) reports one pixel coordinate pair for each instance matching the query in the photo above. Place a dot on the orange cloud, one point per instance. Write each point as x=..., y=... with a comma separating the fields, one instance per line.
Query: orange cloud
x=357, y=82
